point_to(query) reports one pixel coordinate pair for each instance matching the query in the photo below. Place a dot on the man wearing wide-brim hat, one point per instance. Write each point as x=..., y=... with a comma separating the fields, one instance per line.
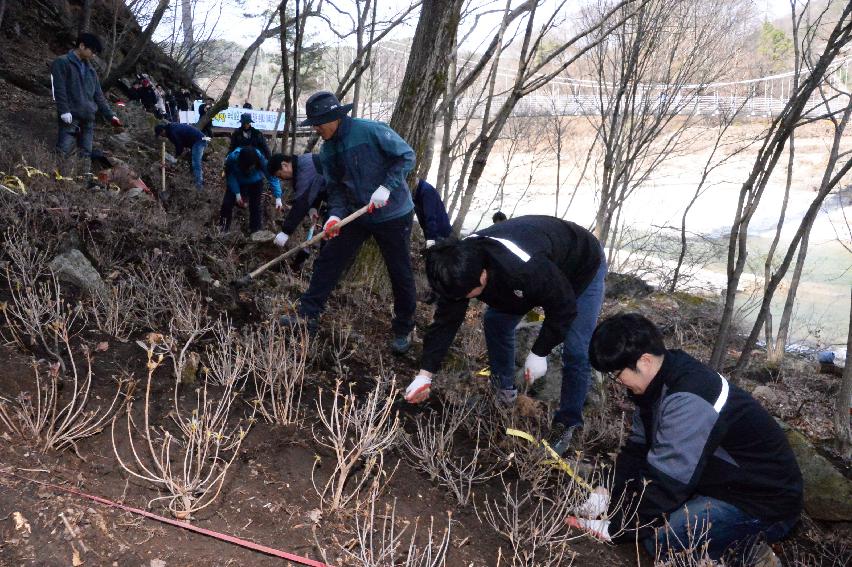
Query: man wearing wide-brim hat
x=364, y=163
x=248, y=135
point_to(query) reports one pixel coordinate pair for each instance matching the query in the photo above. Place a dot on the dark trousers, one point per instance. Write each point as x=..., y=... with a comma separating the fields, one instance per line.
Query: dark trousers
x=393, y=238
x=251, y=194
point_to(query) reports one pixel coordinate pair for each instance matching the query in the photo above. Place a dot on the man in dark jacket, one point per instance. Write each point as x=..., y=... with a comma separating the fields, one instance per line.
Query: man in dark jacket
x=78, y=96
x=431, y=213
x=364, y=163
x=308, y=190
x=513, y=267
x=186, y=136
x=248, y=135
x=202, y=110
x=702, y=454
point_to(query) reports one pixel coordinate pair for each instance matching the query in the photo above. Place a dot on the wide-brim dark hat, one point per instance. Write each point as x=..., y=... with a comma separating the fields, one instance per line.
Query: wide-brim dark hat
x=323, y=107
x=245, y=118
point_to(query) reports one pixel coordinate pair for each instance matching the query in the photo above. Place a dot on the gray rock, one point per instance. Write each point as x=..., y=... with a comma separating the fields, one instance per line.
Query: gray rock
x=626, y=285
x=203, y=275
x=135, y=192
x=73, y=267
x=828, y=494
x=121, y=140
x=262, y=236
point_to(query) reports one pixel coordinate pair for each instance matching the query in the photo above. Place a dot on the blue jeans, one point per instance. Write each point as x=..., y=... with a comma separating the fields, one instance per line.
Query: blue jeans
x=576, y=368
x=393, y=238
x=197, y=154
x=80, y=133
x=725, y=529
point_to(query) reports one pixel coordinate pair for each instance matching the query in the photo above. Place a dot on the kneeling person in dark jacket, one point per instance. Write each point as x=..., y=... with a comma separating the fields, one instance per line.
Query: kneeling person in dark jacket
x=702, y=453
x=245, y=169
x=513, y=267
x=184, y=136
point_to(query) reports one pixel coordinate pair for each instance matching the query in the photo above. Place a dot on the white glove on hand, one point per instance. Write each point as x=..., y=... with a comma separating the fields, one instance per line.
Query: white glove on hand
x=313, y=214
x=430, y=243
x=281, y=239
x=206, y=138
x=66, y=117
x=240, y=201
x=418, y=390
x=278, y=204
x=596, y=528
x=534, y=368
x=596, y=505
x=329, y=227
x=379, y=198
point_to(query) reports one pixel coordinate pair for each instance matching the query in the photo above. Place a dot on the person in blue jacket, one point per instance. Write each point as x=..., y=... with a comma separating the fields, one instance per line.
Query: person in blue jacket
x=431, y=213
x=185, y=136
x=364, y=163
x=245, y=169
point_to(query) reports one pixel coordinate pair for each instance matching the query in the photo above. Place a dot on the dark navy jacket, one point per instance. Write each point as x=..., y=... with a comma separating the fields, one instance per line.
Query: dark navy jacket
x=696, y=433
x=183, y=136
x=431, y=213
x=362, y=155
x=531, y=261
x=309, y=191
x=76, y=89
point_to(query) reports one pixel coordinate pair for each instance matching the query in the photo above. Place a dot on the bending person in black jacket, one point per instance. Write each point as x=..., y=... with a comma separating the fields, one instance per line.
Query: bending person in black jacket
x=702, y=452
x=519, y=264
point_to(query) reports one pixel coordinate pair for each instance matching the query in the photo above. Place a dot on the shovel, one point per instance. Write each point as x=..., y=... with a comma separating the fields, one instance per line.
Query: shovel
x=247, y=279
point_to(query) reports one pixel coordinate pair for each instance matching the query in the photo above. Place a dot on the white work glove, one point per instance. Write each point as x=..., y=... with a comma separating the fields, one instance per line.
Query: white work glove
x=430, y=243
x=598, y=529
x=418, y=390
x=278, y=204
x=313, y=214
x=66, y=117
x=330, y=228
x=240, y=202
x=595, y=505
x=281, y=239
x=379, y=198
x=206, y=138
x=534, y=368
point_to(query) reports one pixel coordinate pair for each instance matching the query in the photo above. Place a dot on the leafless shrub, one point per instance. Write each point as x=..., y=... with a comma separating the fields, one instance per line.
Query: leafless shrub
x=191, y=466
x=824, y=554
x=228, y=358
x=115, y=309
x=431, y=449
x=60, y=415
x=168, y=297
x=381, y=543
x=279, y=372
x=356, y=433
x=533, y=524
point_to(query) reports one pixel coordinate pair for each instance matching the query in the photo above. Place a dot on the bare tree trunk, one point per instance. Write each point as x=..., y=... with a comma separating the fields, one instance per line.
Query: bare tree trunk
x=188, y=36
x=842, y=425
x=360, y=51
x=274, y=86
x=285, y=73
x=136, y=50
x=426, y=77
x=251, y=78
x=85, y=16
x=773, y=354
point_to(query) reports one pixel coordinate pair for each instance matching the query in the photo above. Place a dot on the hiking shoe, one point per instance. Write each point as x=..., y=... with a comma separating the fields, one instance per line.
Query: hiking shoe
x=294, y=322
x=507, y=397
x=560, y=437
x=400, y=344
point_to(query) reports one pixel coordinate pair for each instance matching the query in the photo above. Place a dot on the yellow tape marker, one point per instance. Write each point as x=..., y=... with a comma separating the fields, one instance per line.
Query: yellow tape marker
x=555, y=461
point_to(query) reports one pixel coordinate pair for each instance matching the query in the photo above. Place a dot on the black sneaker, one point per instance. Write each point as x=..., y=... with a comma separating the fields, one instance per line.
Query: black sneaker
x=560, y=437
x=400, y=344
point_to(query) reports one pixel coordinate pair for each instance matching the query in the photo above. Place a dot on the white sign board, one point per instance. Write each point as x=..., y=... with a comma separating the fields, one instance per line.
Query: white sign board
x=230, y=118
